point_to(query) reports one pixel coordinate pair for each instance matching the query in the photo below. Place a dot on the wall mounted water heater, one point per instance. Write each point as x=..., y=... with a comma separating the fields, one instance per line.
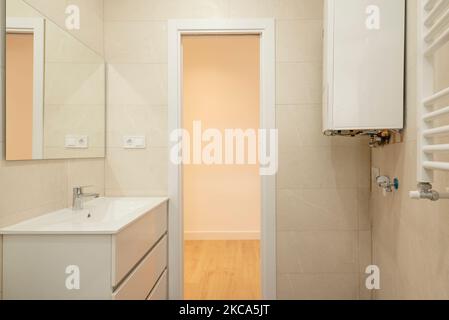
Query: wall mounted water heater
x=364, y=50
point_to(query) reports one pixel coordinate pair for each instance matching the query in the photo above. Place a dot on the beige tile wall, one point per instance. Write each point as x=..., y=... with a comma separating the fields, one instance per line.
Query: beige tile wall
x=323, y=184
x=411, y=238
x=91, y=31
x=31, y=188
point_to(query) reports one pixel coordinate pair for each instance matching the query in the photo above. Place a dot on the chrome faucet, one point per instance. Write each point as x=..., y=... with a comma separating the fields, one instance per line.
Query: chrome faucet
x=79, y=196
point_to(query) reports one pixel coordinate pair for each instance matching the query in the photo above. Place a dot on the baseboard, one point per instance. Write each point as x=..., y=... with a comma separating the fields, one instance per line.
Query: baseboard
x=222, y=235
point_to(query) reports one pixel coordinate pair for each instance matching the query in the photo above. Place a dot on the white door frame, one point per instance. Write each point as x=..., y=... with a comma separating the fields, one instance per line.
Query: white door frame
x=266, y=29
x=35, y=26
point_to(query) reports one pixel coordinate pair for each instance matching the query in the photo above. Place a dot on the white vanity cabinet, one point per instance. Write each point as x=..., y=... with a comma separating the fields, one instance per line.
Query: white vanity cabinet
x=130, y=264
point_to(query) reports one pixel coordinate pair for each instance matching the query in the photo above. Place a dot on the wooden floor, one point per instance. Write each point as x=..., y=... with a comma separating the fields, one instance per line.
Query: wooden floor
x=222, y=270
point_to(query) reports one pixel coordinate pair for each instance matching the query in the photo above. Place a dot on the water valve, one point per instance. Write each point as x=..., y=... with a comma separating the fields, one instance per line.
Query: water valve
x=386, y=184
x=425, y=191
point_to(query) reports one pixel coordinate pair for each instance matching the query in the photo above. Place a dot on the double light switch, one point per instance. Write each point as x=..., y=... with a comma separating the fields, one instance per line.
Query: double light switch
x=77, y=141
x=134, y=142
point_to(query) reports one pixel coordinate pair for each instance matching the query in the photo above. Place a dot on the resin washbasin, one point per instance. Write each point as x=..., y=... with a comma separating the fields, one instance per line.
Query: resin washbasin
x=99, y=216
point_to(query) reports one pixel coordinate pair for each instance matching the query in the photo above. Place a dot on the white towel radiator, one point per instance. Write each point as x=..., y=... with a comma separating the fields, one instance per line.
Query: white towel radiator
x=433, y=33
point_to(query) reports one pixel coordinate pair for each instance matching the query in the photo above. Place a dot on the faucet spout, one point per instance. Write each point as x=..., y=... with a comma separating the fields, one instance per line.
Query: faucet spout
x=79, y=196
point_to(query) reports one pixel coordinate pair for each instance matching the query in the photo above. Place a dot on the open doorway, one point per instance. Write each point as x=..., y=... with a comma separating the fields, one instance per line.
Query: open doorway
x=221, y=207
x=265, y=31
x=24, y=85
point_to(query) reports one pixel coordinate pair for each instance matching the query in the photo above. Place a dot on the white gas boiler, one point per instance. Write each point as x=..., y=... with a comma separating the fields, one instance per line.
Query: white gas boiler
x=364, y=49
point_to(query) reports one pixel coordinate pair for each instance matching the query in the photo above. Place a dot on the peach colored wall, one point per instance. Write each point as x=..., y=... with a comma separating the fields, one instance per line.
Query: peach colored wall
x=19, y=96
x=221, y=89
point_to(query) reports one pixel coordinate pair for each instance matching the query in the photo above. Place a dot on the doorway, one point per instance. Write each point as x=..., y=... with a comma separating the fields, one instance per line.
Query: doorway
x=221, y=207
x=263, y=31
x=24, y=85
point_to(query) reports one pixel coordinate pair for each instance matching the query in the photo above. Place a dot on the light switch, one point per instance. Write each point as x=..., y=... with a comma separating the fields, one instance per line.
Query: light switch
x=76, y=141
x=134, y=142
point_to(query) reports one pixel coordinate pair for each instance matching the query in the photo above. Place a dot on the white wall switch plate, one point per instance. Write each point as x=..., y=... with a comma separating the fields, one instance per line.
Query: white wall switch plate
x=134, y=142
x=73, y=141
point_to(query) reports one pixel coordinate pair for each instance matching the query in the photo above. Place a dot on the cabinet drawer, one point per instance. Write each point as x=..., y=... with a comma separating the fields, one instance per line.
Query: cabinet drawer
x=160, y=291
x=132, y=243
x=139, y=284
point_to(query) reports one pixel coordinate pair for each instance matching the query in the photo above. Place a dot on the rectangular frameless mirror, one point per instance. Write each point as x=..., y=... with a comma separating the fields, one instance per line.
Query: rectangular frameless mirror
x=55, y=90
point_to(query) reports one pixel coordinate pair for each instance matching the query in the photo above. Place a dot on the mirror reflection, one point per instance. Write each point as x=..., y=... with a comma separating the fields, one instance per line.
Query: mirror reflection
x=55, y=90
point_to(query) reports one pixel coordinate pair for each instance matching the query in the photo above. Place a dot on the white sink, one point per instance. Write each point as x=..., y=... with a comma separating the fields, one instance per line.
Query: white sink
x=99, y=216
